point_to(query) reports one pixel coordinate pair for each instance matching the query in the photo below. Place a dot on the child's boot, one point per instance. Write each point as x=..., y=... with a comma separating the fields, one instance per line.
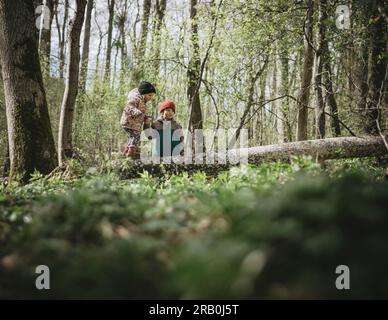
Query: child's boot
x=135, y=153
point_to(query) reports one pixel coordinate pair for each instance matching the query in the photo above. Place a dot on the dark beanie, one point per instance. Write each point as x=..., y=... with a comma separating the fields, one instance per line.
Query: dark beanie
x=146, y=87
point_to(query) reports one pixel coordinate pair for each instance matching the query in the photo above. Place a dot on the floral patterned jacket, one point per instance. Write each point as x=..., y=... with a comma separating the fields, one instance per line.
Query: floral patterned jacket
x=134, y=113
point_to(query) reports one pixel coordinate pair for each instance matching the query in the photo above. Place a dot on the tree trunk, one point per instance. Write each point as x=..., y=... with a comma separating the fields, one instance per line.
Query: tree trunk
x=324, y=149
x=250, y=93
x=85, y=47
x=360, y=59
x=141, y=48
x=304, y=94
x=376, y=67
x=330, y=98
x=111, y=7
x=285, y=91
x=65, y=148
x=319, y=58
x=100, y=39
x=325, y=58
x=45, y=34
x=160, y=12
x=122, y=18
x=278, y=108
x=193, y=73
x=61, y=37
x=31, y=143
x=7, y=162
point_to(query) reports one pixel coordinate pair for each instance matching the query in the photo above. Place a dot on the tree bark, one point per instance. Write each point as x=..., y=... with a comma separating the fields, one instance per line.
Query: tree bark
x=31, y=143
x=285, y=91
x=323, y=149
x=319, y=60
x=85, y=46
x=61, y=36
x=376, y=67
x=138, y=69
x=45, y=40
x=65, y=148
x=304, y=94
x=250, y=94
x=327, y=75
x=122, y=18
x=193, y=72
x=111, y=7
x=160, y=12
x=7, y=162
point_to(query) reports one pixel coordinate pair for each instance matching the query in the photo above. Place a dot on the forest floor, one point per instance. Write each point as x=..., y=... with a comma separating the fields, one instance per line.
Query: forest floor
x=270, y=231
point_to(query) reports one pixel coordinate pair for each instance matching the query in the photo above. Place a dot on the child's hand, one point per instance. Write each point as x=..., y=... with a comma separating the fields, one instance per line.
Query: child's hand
x=147, y=121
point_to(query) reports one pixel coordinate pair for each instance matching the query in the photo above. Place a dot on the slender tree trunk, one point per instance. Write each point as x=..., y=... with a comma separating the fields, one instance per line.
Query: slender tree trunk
x=261, y=114
x=65, y=148
x=319, y=58
x=115, y=65
x=144, y=27
x=278, y=108
x=100, y=39
x=361, y=58
x=193, y=72
x=361, y=80
x=285, y=91
x=96, y=74
x=330, y=98
x=31, y=143
x=111, y=7
x=138, y=70
x=376, y=67
x=250, y=102
x=160, y=12
x=61, y=37
x=85, y=47
x=122, y=18
x=304, y=94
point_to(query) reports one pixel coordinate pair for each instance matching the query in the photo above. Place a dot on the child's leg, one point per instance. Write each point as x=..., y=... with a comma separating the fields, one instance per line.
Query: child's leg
x=133, y=143
x=133, y=137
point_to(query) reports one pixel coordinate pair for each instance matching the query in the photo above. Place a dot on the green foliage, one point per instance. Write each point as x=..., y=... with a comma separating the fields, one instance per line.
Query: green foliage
x=273, y=231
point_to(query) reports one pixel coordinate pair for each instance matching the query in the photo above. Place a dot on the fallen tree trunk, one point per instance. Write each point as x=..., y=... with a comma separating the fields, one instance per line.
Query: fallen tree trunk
x=321, y=149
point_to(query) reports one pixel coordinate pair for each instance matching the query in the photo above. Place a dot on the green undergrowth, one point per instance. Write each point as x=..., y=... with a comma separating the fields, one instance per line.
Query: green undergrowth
x=270, y=231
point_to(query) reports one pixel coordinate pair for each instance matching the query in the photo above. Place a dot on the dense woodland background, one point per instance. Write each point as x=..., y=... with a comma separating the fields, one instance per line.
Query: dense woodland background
x=284, y=70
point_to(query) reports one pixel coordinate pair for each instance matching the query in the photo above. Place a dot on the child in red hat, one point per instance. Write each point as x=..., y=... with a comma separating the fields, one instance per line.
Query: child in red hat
x=163, y=124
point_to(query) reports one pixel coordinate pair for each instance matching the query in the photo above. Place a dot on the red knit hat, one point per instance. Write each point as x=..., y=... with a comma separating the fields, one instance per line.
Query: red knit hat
x=167, y=104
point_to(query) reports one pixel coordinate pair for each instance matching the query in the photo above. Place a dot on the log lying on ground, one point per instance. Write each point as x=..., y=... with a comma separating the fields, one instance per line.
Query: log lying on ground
x=322, y=149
